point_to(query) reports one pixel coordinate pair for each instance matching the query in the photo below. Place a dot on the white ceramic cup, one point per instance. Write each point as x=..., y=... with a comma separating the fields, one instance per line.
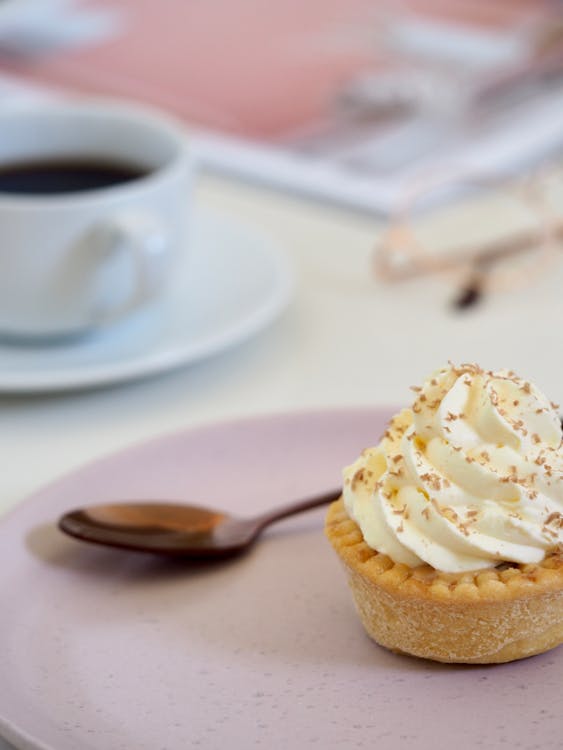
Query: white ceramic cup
x=75, y=262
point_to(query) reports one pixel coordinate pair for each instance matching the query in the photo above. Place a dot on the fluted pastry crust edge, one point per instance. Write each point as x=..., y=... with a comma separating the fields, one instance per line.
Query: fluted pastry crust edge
x=488, y=616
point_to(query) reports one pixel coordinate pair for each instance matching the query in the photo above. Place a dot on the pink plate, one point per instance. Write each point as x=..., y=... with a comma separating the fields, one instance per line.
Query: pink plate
x=106, y=650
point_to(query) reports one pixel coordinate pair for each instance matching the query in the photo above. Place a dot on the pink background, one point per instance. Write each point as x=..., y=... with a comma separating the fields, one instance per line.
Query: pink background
x=255, y=68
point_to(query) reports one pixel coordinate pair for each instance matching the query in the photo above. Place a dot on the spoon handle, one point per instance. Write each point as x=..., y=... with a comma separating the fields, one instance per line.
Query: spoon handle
x=299, y=507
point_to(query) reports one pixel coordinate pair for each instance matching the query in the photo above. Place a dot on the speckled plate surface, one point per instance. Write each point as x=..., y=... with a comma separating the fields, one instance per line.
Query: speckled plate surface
x=104, y=650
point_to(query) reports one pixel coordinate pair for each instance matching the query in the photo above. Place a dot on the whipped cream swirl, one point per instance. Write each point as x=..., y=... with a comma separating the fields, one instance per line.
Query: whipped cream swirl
x=471, y=476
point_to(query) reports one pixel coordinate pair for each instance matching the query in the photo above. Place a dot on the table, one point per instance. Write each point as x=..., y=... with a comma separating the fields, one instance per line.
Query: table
x=345, y=340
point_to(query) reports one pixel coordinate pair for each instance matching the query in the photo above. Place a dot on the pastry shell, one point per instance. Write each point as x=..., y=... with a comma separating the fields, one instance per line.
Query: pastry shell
x=487, y=616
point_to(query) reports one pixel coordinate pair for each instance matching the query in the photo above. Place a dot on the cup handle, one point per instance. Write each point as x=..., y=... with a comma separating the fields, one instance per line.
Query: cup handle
x=143, y=243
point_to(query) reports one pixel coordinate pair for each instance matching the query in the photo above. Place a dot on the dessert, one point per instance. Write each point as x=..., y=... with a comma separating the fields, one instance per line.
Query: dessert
x=451, y=528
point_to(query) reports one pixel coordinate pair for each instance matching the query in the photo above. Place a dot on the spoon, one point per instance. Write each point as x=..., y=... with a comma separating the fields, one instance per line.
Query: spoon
x=177, y=530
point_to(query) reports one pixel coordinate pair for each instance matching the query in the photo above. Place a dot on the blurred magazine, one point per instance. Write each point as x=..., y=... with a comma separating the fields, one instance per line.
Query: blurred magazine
x=347, y=100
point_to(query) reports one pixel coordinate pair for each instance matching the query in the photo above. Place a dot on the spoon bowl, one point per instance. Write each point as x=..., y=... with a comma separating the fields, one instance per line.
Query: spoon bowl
x=174, y=529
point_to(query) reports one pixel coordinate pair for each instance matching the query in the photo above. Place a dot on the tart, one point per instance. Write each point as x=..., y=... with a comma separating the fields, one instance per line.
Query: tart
x=451, y=528
x=481, y=617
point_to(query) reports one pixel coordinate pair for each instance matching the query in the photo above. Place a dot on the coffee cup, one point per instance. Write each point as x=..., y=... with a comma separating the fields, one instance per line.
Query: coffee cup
x=94, y=200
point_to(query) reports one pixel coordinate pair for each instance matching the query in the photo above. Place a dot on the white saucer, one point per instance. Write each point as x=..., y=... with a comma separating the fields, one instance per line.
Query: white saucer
x=235, y=283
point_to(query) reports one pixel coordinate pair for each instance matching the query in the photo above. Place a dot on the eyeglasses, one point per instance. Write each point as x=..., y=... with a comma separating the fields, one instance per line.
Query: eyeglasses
x=504, y=233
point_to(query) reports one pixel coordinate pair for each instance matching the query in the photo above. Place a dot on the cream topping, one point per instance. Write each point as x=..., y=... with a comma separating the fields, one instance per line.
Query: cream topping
x=470, y=476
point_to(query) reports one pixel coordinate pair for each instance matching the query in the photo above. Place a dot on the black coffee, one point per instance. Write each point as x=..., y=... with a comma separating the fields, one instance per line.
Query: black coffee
x=65, y=176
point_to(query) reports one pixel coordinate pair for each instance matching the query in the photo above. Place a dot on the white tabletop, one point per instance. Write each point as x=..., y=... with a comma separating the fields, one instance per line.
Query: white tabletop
x=345, y=340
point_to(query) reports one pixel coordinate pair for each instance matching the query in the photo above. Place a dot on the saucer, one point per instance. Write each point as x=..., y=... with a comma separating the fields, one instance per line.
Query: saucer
x=233, y=283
